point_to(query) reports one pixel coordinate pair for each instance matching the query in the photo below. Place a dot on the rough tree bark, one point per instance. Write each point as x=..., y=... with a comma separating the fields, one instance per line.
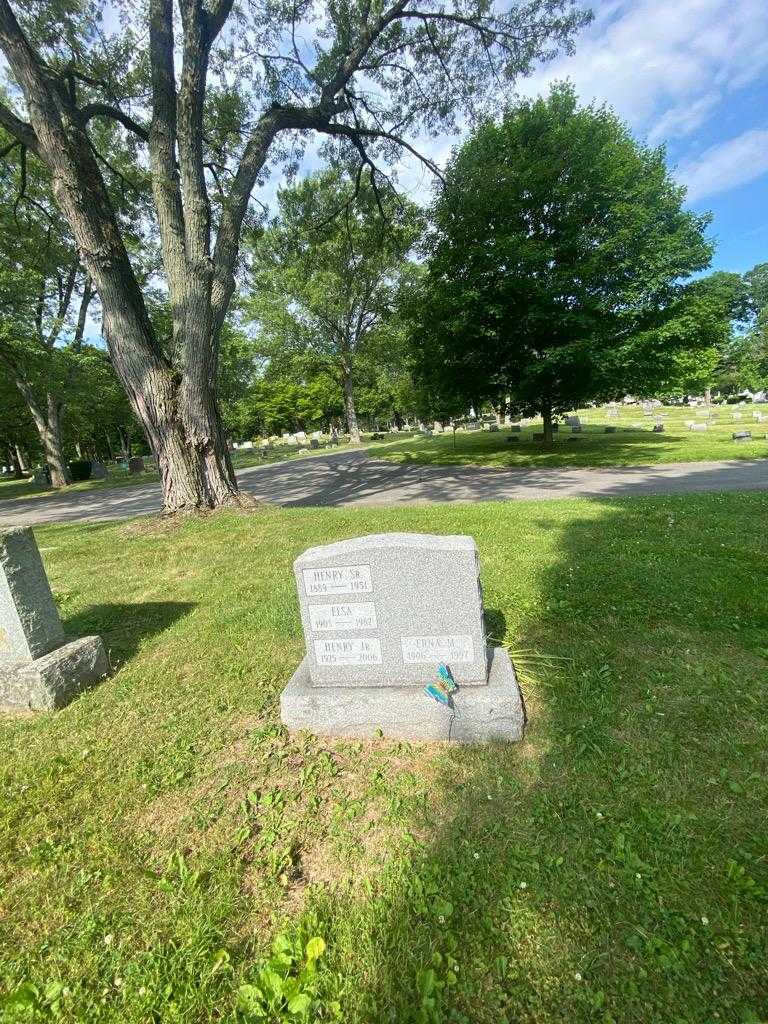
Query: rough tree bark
x=349, y=404
x=21, y=461
x=546, y=415
x=47, y=421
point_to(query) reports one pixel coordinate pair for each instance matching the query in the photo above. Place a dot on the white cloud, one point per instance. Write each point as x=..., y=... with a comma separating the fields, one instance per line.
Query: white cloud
x=665, y=66
x=668, y=69
x=726, y=165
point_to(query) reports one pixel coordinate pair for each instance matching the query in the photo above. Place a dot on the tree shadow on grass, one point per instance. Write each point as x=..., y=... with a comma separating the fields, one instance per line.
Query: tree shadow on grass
x=124, y=627
x=611, y=866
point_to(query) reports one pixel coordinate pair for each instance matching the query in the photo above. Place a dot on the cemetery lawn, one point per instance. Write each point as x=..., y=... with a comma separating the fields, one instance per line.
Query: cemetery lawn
x=157, y=836
x=628, y=447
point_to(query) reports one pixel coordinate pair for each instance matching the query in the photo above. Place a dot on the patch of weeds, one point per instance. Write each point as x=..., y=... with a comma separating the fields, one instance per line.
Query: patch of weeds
x=287, y=986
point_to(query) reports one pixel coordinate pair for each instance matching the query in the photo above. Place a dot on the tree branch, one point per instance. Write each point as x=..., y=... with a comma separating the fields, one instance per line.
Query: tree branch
x=21, y=131
x=91, y=110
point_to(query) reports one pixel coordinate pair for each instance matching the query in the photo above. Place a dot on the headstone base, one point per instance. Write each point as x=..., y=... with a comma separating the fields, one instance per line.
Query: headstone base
x=51, y=682
x=481, y=713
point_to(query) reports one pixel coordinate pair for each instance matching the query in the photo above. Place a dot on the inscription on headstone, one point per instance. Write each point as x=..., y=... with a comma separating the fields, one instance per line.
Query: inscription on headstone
x=379, y=614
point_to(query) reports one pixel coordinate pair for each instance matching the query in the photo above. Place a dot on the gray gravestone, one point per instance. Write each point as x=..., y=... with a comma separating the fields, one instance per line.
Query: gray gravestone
x=136, y=465
x=39, y=667
x=742, y=435
x=658, y=428
x=379, y=614
x=698, y=427
x=98, y=471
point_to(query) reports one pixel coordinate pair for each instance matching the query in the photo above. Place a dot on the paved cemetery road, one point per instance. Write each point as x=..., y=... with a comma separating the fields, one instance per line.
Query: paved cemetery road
x=353, y=478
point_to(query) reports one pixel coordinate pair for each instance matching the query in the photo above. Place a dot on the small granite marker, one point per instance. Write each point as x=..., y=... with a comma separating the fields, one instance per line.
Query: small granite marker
x=39, y=667
x=379, y=614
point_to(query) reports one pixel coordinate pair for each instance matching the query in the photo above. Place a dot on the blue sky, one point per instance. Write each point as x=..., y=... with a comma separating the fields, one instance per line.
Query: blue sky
x=692, y=74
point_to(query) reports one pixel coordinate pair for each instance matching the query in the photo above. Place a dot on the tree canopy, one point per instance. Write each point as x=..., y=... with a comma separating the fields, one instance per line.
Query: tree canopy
x=327, y=272
x=556, y=257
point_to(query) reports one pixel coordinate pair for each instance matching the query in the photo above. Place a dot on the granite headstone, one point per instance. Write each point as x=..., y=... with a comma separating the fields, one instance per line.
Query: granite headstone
x=40, y=668
x=379, y=614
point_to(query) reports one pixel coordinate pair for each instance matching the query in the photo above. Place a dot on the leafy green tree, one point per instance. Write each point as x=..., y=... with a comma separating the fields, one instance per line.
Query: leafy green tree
x=557, y=252
x=210, y=97
x=688, y=350
x=326, y=274
x=44, y=297
x=19, y=441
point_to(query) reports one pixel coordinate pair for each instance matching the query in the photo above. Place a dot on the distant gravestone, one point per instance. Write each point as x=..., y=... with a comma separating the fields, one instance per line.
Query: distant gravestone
x=379, y=614
x=573, y=421
x=658, y=428
x=437, y=426
x=136, y=465
x=39, y=668
x=314, y=443
x=247, y=445
x=515, y=428
x=493, y=427
x=742, y=435
x=697, y=427
x=98, y=471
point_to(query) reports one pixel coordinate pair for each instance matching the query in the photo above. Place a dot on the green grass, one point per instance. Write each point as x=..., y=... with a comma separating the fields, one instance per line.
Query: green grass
x=630, y=446
x=158, y=834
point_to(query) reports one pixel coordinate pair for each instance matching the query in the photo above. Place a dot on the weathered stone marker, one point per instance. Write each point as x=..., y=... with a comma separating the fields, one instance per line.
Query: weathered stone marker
x=379, y=614
x=39, y=667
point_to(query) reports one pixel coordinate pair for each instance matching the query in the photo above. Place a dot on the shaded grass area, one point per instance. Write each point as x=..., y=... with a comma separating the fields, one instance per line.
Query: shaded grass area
x=160, y=832
x=634, y=444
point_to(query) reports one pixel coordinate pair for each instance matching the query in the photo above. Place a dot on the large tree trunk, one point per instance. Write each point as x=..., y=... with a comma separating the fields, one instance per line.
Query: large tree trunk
x=21, y=461
x=182, y=425
x=349, y=404
x=171, y=392
x=48, y=423
x=546, y=415
x=50, y=435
